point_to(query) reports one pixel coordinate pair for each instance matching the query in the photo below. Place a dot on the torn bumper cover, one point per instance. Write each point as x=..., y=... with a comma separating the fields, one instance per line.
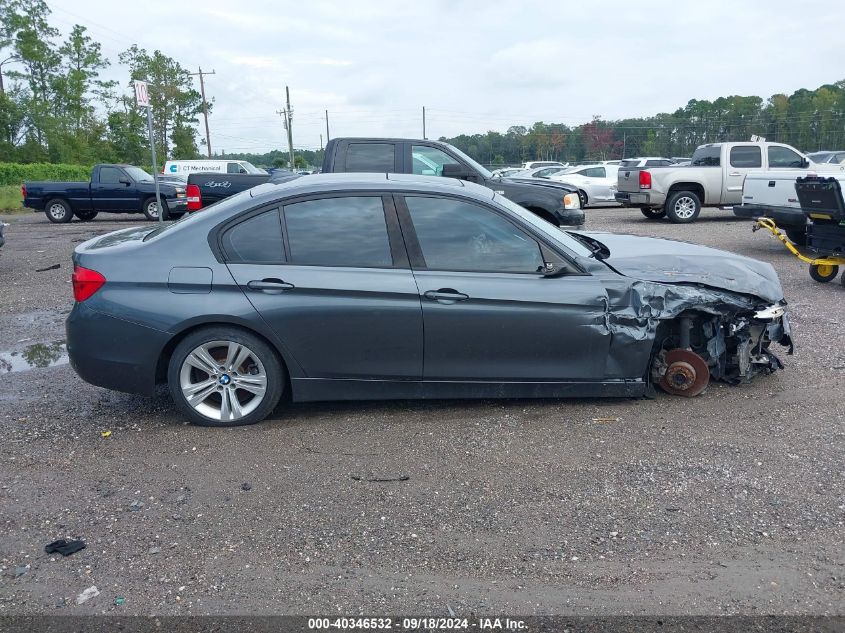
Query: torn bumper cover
x=731, y=332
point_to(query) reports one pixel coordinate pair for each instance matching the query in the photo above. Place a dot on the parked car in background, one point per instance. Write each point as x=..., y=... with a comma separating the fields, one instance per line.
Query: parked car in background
x=714, y=178
x=504, y=172
x=539, y=172
x=531, y=164
x=556, y=202
x=827, y=157
x=3, y=225
x=204, y=189
x=647, y=161
x=186, y=167
x=385, y=286
x=596, y=183
x=112, y=189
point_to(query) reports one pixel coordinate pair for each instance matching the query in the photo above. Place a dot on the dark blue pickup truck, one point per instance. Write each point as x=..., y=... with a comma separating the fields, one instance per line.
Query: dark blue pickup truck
x=112, y=189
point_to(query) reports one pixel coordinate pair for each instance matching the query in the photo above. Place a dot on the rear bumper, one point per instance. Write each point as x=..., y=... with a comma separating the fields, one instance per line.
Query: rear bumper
x=177, y=205
x=783, y=216
x=112, y=353
x=646, y=199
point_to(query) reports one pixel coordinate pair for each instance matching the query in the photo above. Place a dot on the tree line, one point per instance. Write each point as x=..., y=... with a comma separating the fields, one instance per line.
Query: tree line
x=55, y=107
x=808, y=119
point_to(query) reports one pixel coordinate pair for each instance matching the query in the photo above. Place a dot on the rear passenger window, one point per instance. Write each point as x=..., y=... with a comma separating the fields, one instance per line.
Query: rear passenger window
x=338, y=232
x=370, y=157
x=707, y=156
x=746, y=156
x=257, y=240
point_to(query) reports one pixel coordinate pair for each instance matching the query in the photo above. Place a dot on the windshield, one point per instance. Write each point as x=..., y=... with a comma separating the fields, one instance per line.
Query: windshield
x=482, y=170
x=548, y=229
x=820, y=157
x=137, y=174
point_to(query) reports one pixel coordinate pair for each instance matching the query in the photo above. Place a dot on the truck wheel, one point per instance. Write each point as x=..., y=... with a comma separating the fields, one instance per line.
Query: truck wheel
x=797, y=236
x=150, y=209
x=823, y=272
x=85, y=216
x=58, y=211
x=653, y=214
x=683, y=207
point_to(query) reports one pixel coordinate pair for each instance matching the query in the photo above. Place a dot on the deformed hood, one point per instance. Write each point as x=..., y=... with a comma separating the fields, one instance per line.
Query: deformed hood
x=670, y=261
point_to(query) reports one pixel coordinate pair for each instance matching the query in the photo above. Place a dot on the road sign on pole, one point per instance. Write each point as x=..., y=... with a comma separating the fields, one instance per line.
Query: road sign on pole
x=142, y=97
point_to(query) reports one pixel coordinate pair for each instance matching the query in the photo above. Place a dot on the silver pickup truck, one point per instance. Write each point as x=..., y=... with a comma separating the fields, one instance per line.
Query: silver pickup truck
x=713, y=178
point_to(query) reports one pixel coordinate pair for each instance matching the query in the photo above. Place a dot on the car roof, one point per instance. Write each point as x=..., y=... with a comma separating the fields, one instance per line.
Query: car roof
x=321, y=183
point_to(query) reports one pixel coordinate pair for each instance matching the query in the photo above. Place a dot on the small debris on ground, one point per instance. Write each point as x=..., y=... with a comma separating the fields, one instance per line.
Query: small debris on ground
x=44, y=270
x=119, y=600
x=64, y=547
x=86, y=595
x=20, y=570
x=136, y=505
x=246, y=486
x=380, y=479
x=105, y=433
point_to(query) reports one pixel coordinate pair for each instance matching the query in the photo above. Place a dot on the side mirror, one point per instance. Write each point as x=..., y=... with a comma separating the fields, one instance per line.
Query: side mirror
x=804, y=163
x=124, y=180
x=456, y=170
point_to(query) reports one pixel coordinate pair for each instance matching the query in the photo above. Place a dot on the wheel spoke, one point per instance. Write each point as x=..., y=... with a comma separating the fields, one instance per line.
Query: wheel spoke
x=231, y=352
x=198, y=398
x=241, y=358
x=202, y=360
x=252, y=384
x=237, y=411
x=197, y=387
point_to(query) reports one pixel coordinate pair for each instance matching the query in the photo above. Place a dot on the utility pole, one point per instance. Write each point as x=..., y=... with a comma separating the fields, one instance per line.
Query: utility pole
x=328, y=138
x=290, y=131
x=624, y=141
x=205, y=107
x=423, y=122
x=321, y=142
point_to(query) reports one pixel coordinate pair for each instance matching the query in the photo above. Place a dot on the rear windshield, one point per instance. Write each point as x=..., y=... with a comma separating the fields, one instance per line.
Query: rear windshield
x=630, y=162
x=707, y=156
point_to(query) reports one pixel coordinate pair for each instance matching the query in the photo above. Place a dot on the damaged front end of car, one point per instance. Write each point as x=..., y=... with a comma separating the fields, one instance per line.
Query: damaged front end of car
x=696, y=333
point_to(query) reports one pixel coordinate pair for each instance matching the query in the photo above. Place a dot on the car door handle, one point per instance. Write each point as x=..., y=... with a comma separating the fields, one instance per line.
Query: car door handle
x=735, y=173
x=270, y=286
x=445, y=294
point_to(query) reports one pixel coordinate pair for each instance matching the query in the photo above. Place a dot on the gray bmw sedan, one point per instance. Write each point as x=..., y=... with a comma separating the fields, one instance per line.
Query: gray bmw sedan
x=374, y=286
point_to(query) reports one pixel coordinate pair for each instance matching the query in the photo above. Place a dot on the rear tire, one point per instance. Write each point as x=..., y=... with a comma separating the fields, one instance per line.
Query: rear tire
x=58, y=211
x=225, y=376
x=683, y=207
x=85, y=216
x=583, y=199
x=653, y=214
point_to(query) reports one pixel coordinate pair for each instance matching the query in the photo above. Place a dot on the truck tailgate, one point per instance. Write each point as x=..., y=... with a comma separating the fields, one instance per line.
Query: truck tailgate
x=628, y=179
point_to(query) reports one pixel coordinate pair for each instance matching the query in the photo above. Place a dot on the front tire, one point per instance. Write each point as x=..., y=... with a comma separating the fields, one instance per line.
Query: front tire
x=683, y=207
x=653, y=214
x=85, y=216
x=223, y=376
x=150, y=209
x=58, y=211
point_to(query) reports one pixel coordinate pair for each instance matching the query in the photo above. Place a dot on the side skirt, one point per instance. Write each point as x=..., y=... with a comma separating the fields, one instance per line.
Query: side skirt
x=314, y=389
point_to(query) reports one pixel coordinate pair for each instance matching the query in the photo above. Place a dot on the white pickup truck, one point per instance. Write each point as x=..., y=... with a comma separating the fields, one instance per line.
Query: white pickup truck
x=713, y=178
x=771, y=194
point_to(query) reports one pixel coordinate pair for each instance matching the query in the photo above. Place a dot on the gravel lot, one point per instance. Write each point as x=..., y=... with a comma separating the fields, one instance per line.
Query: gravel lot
x=729, y=503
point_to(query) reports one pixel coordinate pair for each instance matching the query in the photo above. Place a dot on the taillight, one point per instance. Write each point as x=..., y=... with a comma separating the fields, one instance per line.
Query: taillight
x=645, y=180
x=194, y=198
x=23, y=191
x=85, y=282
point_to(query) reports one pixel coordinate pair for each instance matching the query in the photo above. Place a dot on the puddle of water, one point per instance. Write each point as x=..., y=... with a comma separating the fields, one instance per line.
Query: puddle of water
x=34, y=356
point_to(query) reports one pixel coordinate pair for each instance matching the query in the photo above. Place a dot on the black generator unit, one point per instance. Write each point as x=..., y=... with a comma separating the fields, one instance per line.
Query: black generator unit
x=821, y=199
x=822, y=203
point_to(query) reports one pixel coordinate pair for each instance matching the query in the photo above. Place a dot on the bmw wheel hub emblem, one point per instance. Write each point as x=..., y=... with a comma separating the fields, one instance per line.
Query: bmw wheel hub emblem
x=225, y=380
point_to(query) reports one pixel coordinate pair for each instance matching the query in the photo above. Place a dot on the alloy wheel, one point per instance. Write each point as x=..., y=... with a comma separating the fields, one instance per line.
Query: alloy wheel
x=684, y=207
x=57, y=211
x=223, y=380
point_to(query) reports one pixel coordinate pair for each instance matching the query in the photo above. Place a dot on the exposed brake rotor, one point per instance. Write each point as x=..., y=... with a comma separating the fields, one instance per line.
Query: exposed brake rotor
x=686, y=374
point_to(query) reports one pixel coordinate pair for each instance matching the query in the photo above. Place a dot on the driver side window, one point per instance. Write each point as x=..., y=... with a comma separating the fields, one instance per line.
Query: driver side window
x=429, y=161
x=462, y=236
x=783, y=157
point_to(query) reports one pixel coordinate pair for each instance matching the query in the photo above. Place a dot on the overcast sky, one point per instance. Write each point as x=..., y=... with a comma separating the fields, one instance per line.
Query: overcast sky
x=476, y=66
